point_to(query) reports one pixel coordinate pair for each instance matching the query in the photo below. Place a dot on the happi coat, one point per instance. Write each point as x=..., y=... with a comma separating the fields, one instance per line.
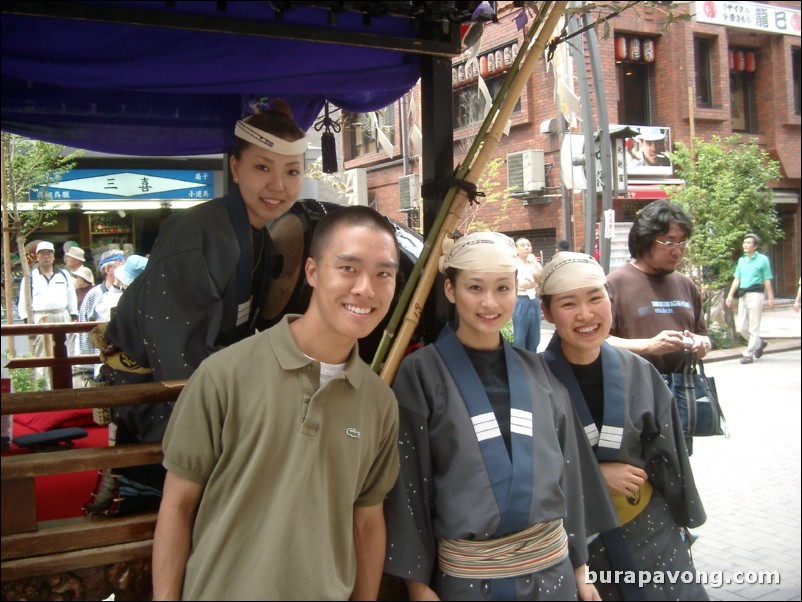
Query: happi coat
x=446, y=485
x=195, y=297
x=641, y=427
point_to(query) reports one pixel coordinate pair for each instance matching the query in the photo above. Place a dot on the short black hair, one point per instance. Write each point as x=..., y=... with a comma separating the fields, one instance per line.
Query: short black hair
x=652, y=221
x=352, y=215
x=562, y=245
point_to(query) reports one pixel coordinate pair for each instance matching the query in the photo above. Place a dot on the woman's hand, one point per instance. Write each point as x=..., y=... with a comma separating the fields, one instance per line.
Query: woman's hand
x=584, y=590
x=623, y=478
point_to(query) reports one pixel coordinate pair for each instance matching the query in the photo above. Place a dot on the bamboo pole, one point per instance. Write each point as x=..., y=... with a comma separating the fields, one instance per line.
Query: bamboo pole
x=457, y=199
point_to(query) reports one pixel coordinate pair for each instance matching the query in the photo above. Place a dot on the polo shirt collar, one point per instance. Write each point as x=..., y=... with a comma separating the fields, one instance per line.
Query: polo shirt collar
x=290, y=357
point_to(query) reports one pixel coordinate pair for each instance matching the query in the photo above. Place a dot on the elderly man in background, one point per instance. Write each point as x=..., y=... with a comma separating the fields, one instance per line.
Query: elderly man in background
x=52, y=298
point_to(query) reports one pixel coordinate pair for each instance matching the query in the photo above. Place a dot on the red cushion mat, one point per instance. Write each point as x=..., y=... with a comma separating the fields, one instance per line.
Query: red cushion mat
x=62, y=495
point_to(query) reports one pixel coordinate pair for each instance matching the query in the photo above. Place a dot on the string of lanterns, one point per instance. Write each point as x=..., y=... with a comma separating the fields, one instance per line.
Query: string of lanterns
x=742, y=60
x=489, y=64
x=635, y=50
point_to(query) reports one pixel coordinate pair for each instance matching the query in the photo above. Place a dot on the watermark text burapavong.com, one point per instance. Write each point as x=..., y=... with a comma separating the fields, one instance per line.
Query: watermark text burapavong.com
x=713, y=579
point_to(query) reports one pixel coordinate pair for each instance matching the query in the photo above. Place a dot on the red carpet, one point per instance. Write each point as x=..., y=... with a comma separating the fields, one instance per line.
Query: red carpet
x=62, y=495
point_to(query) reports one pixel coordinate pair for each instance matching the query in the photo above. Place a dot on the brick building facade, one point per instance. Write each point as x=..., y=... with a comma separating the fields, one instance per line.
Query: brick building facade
x=724, y=72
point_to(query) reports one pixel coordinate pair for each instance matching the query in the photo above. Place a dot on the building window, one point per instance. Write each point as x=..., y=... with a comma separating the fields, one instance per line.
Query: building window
x=795, y=75
x=743, y=64
x=470, y=105
x=361, y=131
x=702, y=52
x=634, y=93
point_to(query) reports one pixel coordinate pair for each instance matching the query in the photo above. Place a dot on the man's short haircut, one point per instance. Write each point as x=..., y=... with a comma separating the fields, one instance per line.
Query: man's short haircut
x=755, y=238
x=562, y=245
x=353, y=215
x=652, y=221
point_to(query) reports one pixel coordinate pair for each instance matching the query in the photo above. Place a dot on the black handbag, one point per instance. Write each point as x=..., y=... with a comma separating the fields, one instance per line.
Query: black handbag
x=697, y=400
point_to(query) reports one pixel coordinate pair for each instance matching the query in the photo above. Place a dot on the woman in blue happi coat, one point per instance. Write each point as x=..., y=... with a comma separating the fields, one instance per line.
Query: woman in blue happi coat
x=632, y=423
x=498, y=488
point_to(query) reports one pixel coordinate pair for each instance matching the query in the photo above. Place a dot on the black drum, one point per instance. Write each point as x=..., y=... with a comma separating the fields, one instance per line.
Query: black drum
x=289, y=292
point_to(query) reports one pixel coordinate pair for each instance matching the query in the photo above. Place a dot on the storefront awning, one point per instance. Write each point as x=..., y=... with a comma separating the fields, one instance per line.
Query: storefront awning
x=643, y=192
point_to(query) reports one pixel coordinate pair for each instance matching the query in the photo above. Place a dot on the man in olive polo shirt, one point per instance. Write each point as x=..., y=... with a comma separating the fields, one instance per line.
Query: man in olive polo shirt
x=282, y=447
x=752, y=279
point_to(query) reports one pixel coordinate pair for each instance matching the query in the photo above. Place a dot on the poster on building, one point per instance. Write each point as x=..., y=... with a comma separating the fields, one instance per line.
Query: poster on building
x=647, y=152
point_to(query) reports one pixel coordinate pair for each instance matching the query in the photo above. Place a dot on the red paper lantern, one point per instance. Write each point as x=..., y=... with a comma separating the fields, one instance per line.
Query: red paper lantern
x=483, y=67
x=648, y=50
x=491, y=63
x=634, y=49
x=620, y=48
x=740, y=61
x=751, y=61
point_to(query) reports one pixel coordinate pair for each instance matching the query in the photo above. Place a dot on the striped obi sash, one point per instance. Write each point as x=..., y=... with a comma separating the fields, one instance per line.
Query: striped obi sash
x=536, y=548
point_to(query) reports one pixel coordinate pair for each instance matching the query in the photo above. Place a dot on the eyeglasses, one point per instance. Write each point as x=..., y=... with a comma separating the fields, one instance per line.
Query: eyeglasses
x=674, y=245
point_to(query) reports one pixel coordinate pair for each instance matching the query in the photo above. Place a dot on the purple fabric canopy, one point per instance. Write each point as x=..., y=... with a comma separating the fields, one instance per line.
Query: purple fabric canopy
x=145, y=90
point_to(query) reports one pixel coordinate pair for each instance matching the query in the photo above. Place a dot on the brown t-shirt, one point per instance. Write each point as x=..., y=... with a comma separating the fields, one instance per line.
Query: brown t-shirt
x=646, y=304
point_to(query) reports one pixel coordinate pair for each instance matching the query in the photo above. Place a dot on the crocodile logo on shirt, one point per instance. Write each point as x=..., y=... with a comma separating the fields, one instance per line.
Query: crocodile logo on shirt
x=352, y=432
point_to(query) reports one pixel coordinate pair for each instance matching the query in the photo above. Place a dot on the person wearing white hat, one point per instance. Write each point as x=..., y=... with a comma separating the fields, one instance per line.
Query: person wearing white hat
x=652, y=148
x=630, y=418
x=492, y=459
x=74, y=258
x=49, y=296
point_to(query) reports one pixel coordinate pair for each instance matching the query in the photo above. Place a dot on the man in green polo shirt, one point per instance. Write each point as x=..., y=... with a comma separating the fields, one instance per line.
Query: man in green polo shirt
x=752, y=279
x=282, y=447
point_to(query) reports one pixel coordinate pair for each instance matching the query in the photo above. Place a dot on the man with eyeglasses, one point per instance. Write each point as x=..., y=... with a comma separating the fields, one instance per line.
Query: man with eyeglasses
x=657, y=312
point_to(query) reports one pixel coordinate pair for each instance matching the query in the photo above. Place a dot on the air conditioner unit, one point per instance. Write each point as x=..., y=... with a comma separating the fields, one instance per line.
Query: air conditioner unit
x=409, y=191
x=526, y=172
x=357, y=182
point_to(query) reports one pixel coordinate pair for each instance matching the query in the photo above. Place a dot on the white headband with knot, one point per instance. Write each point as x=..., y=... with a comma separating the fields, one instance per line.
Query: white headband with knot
x=247, y=132
x=479, y=252
x=568, y=271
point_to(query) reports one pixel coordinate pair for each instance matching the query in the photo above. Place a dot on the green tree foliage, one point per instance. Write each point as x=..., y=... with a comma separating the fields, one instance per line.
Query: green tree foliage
x=726, y=194
x=31, y=165
x=28, y=165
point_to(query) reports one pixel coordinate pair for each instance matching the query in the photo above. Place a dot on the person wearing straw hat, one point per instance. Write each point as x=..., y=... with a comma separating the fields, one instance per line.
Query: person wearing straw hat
x=631, y=420
x=491, y=457
x=74, y=258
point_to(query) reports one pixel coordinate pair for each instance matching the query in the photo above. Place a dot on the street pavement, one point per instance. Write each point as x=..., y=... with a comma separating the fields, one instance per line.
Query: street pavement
x=750, y=481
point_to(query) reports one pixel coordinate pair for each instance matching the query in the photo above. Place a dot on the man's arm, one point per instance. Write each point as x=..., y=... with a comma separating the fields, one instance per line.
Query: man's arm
x=666, y=341
x=173, y=536
x=736, y=283
x=370, y=540
x=769, y=291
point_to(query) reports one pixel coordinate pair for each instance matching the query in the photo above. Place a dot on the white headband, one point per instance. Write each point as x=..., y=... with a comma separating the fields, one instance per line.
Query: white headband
x=479, y=252
x=268, y=141
x=568, y=271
